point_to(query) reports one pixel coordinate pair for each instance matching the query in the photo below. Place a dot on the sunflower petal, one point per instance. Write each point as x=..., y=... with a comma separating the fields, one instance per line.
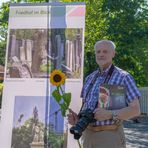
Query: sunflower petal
x=57, y=78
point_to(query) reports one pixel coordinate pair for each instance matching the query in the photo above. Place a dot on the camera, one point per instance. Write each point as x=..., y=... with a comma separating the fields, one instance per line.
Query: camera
x=85, y=117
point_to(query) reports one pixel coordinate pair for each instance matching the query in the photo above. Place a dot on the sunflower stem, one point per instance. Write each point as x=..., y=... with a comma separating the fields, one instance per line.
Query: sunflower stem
x=61, y=89
x=58, y=89
x=79, y=144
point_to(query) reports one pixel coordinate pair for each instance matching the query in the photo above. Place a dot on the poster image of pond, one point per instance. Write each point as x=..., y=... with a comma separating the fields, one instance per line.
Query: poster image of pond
x=34, y=53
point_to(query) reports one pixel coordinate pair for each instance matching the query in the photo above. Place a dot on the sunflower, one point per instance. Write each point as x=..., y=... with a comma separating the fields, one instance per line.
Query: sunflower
x=57, y=78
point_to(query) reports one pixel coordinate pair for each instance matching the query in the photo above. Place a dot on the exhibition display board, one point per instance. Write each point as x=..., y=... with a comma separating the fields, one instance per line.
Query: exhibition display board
x=41, y=37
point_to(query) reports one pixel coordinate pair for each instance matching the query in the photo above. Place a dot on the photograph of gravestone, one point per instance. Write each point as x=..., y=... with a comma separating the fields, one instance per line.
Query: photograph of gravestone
x=28, y=122
x=27, y=52
x=32, y=53
x=65, y=50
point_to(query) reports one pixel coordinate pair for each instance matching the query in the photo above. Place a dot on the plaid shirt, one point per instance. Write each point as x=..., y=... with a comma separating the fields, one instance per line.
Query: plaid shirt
x=90, y=92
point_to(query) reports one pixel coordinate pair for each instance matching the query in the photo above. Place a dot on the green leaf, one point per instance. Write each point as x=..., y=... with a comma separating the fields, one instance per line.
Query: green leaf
x=67, y=98
x=57, y=95
x=63, y=108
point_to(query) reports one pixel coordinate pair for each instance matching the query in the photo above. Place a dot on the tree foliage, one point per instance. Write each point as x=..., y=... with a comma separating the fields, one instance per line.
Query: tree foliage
x=23, y=136
x=127, y=27
x=122, y=21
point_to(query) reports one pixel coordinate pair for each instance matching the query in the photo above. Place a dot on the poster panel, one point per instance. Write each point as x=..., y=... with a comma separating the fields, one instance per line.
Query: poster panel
x=41, y=38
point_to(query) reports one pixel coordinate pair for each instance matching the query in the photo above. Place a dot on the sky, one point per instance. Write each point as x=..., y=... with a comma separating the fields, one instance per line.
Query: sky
x=24, y=105
x=1, y=1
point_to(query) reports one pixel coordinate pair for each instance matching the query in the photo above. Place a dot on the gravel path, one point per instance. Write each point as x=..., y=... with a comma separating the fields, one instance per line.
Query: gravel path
x=136, y=133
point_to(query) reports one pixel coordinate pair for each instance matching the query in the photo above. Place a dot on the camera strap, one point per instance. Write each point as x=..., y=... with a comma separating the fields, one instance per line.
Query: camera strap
x=90, y=87
x=110, y=72
x=92, y=82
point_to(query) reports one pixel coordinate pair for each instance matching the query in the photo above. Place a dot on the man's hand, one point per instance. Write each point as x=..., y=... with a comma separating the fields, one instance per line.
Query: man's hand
x=101, y=114
x=72, y=117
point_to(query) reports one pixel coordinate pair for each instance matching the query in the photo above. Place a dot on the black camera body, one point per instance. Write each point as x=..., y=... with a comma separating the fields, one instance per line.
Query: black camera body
x=85, y=117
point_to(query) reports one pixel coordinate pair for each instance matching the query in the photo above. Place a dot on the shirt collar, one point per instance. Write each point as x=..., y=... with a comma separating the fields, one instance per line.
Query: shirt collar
x=105, y=71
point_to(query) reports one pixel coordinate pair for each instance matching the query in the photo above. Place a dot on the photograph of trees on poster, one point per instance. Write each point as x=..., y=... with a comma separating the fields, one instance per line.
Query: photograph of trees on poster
x=28, y=121
x=34, y=53
x=29, y=127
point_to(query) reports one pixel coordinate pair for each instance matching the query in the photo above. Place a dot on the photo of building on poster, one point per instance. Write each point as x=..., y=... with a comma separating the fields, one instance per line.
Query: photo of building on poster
x=32, y=55
x=29, y=123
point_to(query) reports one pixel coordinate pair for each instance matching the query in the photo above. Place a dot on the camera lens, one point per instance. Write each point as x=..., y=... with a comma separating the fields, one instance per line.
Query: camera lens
x=85, y=117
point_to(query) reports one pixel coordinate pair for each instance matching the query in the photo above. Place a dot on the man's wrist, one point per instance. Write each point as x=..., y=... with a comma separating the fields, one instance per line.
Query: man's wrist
x=115, y=116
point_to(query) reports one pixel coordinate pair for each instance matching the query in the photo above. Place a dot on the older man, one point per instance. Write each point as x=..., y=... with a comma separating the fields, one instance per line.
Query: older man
x=107, y=130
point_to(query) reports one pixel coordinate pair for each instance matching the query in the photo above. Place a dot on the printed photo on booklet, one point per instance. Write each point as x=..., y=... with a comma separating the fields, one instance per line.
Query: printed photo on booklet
x=112, y=97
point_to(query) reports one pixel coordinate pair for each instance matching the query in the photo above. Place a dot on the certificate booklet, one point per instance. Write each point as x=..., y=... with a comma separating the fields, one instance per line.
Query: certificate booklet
x=112, y=97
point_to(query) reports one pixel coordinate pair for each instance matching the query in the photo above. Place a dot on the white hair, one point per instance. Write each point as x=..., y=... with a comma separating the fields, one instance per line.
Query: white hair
x=110, y=43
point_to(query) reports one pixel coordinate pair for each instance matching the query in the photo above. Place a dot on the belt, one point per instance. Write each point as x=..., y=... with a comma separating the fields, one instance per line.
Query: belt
x=102, y=127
